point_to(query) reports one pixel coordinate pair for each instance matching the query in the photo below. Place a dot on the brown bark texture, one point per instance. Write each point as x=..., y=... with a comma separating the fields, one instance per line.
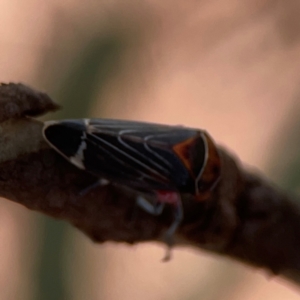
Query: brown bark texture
x=246, y=218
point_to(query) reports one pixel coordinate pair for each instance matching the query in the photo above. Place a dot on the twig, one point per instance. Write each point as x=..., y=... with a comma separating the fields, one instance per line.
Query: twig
x=246, y=218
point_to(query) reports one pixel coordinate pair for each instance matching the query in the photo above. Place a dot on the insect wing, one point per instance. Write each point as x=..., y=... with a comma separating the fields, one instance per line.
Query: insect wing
x=140, y=153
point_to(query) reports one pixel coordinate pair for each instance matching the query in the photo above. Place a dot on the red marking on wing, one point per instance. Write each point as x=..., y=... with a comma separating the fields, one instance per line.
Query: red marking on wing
x=182, y=150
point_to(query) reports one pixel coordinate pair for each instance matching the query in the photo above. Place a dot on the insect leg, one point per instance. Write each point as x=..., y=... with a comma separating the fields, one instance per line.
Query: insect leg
x=178, y=217
x=100, y=182
x=153, y=209
x=163, y=197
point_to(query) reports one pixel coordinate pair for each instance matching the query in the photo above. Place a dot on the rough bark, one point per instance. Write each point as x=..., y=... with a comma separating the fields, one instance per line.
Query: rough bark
x=247, y=218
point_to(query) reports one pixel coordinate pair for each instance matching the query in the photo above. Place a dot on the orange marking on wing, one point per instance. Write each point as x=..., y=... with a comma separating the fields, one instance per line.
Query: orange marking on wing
x=182, y=151
x=211, y=172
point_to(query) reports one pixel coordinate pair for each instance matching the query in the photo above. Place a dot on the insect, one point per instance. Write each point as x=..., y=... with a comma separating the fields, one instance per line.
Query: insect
x=157, y=161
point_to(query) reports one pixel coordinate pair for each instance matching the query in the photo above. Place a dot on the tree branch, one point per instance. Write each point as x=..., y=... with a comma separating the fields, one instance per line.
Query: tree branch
x=246, y=218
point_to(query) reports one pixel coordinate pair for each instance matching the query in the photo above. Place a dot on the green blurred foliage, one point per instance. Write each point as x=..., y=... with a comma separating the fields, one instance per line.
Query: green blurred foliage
x=284, y=162
x=97, y=61
x=95, y=65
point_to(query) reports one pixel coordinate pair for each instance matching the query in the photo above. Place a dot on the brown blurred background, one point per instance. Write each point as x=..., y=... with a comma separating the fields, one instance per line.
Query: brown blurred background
x=231, y=67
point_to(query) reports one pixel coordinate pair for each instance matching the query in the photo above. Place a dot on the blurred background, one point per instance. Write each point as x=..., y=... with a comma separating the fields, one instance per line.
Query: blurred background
x=231, y=67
